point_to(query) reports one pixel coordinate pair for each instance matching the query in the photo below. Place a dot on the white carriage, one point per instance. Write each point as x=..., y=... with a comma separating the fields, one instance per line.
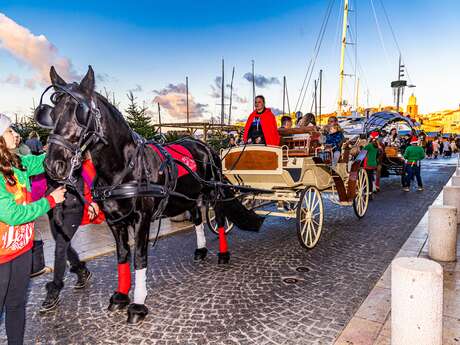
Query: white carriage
x=296, y=176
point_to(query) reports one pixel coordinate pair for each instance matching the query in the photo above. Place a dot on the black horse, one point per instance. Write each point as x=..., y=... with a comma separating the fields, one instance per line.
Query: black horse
x=135, y=181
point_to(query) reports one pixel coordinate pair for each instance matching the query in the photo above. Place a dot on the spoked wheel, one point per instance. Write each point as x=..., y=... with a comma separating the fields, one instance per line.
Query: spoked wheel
x=361, y=200
x=212, y=224
x=310, y=216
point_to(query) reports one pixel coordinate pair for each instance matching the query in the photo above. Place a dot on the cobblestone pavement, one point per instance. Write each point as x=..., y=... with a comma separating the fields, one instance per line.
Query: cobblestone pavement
x=246, y=302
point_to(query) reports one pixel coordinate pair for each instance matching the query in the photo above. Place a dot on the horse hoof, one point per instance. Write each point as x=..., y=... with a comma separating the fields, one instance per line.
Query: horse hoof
x=223, y=258
x=136, y=313
x=200, y=253
x=118, y=301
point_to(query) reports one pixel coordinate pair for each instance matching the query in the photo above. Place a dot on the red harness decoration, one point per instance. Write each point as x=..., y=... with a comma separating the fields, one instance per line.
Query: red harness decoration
x=124, y=278
x=179, y=153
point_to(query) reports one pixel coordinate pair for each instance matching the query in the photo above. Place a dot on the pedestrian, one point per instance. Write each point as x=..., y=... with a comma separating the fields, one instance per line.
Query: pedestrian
x=17, y=218
x=370, y=162
x=429, y=149
x=412, y=164
x=34, y=143
x=446, y=147
x=75, y=212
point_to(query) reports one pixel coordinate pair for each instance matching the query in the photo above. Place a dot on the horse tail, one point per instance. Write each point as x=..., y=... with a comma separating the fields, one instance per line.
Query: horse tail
x=232, y=207
x=239, y=215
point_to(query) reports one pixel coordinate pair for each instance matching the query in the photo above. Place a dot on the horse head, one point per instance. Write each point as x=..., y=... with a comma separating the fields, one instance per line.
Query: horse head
x=76, y=123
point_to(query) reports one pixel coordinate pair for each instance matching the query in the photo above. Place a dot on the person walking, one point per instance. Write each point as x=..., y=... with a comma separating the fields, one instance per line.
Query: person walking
x=413, y=157
x=34, y=143
x=370, y=162
x=17, y=217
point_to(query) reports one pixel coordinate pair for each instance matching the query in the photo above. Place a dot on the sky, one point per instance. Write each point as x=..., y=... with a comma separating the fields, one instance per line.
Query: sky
x=150, y=47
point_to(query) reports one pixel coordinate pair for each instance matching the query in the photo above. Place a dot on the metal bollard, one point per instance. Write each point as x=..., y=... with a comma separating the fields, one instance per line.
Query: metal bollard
x=442, y=233
x=416, y=302
x=451, y=197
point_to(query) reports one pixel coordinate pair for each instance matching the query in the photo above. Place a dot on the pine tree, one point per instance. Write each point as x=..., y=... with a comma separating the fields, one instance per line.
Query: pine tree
x=138, y=119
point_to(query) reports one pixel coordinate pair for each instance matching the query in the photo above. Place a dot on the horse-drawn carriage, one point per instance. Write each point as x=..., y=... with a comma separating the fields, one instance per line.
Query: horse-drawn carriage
x=295, y=177
x=392, y=160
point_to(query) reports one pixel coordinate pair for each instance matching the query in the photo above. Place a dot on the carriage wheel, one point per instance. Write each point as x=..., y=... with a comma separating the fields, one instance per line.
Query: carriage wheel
x=361, y=200
x=310, y=217
x=212, y=224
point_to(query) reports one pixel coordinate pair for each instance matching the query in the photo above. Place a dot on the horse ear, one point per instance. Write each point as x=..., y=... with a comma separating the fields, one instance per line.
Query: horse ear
x=88, y=83
x=55, y=78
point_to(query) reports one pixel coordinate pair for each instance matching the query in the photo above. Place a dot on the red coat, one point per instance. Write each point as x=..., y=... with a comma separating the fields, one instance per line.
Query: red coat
x=269, y=127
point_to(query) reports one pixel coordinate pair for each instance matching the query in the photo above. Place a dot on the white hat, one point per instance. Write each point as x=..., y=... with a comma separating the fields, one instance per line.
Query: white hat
x=5, y=122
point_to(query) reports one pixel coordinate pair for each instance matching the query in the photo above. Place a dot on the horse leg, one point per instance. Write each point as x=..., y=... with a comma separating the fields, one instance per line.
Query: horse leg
x=120, y=299
x=137, y=311
x=224, y=254
x=201, y=251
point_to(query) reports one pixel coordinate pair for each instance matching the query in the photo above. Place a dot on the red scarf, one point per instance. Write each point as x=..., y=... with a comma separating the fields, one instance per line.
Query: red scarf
x=269, y=127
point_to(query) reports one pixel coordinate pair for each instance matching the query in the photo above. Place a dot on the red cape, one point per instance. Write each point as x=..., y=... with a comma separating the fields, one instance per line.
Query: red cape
x=269, y=127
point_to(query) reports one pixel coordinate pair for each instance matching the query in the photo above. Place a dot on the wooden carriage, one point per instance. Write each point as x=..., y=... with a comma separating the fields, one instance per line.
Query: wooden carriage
x=296, y=175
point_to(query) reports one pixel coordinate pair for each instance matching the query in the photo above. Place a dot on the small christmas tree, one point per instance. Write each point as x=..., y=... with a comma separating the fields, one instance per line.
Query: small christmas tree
x=138, y=119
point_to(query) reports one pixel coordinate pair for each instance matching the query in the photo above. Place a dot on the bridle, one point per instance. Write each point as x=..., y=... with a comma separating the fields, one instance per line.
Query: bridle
x=92, y=131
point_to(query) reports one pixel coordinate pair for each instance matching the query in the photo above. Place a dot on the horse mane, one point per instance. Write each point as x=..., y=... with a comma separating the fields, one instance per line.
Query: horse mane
x=112, y=109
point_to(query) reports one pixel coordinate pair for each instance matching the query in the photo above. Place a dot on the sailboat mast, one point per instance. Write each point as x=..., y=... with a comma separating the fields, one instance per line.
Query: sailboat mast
x=342, y=54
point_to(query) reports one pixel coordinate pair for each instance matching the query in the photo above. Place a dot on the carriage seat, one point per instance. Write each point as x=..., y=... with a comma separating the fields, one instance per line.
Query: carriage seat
x=302, y=142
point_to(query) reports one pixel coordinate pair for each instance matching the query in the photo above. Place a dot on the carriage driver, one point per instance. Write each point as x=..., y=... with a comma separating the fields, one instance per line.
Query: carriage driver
x=261, y=125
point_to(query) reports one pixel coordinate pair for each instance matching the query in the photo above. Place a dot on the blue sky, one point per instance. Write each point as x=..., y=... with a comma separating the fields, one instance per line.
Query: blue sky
x=148, y=45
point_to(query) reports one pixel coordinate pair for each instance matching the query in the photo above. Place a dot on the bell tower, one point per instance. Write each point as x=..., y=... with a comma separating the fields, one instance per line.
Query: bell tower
x=412, y=107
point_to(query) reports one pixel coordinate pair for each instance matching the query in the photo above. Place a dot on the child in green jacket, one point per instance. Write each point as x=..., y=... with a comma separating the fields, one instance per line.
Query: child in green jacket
x=412, y=158
x=17, y=215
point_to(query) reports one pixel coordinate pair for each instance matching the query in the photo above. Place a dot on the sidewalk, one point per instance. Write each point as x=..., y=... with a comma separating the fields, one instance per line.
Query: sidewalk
x=92, y=241
x=371, y=324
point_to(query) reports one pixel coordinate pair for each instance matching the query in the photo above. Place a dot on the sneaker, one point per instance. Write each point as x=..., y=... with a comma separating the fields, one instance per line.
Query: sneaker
x=420, y=189
x=52, y=298
x=83, y=277
x=406, y=189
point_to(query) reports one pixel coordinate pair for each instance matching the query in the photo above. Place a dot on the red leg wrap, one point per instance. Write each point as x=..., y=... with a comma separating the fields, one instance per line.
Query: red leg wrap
x=223, y=247
x=124, y=278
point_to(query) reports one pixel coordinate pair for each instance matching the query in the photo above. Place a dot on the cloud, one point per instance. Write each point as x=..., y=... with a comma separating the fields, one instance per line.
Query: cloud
x=216, y=91
x=260, y=80
x=11, y=79
x=35, y=51
x=173, y=98
x=138, y=88
x=105, y=78
x=276, y=111
x=30, y=84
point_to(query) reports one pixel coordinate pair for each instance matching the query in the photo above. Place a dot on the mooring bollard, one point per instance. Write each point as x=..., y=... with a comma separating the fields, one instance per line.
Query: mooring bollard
x=442, y=233
x=416, y=302
x=451, y=197
x=455, y=180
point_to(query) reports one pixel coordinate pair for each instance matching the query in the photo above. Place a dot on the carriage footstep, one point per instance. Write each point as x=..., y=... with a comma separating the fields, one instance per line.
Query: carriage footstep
x=200, y=254
x=136, y=313
x=118, y=301
x=223, y=258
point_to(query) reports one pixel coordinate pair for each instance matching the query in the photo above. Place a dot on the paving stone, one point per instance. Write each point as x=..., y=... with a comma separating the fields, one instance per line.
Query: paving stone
x=245, y=302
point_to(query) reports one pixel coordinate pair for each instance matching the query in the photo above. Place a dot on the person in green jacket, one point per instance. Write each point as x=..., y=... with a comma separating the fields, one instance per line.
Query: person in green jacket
x=412, y=158
x=370, y=162
x=17, y=216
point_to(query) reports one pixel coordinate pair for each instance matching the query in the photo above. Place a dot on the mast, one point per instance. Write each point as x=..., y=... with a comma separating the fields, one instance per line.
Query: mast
x=284, y=93
x=231, y=96
x=357, y=95
x=316, y=98
x=342, y=55
x=253, y=85
x=186, y=92
x=223, y=95
x=159, y=116
x=320, y=92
